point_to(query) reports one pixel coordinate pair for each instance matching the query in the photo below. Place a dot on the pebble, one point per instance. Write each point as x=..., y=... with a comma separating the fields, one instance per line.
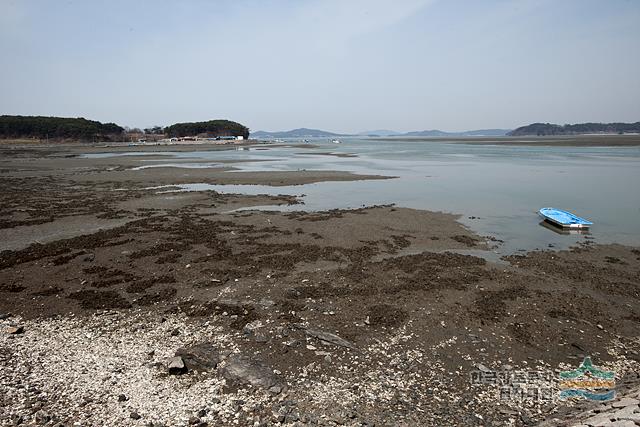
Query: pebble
x=135, y=416
x=176, y=366
x=15, y=330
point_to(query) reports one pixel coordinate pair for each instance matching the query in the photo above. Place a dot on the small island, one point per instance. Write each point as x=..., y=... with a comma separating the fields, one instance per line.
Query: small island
x=550, y=129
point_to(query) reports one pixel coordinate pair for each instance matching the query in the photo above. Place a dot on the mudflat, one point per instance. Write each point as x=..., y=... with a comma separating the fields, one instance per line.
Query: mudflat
x=123, y=304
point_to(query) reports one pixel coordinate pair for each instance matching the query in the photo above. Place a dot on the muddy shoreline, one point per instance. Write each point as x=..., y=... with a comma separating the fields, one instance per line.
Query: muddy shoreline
x=360, y=317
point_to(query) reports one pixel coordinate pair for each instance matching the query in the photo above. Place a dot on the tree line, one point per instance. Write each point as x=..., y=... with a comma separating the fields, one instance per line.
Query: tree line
x=19, y=127
x=56, y=127
x=212, y=128
x=543, y=129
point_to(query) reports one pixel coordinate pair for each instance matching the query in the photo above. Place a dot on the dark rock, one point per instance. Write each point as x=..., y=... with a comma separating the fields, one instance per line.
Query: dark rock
x=292, y=418
x=122, y=398
x=176, y=366
x=201, y=357
x=135, y=416
x=5, y=316
x=194, y=420
x=42, y=417
x=175, y=332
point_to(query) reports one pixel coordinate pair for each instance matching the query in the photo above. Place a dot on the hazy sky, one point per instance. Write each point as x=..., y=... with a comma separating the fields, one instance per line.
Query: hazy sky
x=341, y=65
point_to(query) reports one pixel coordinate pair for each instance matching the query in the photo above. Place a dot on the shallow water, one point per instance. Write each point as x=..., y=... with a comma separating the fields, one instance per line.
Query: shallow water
x=501, y=186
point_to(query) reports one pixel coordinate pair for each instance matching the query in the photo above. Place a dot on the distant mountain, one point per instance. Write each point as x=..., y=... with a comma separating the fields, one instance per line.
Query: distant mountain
x=480, y=132
x=379, y=132
x=317, y=133
x=543, y=129
x=295, y=133
x=433, y=132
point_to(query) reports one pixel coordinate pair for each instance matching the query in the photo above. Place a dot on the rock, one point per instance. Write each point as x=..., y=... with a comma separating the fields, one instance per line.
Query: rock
x=241, y=369
x=266, y=303
x=175, y=332
x=176, y=366
x=122, y=398
x=135, y=416
x=14, y=330
x=42, y=417
x=482, y=368
x=276, y=389
x=200, y=357
x=599, y=420
x=5, y=316
x=194, y=421
x=311, y=347
x=251, y=327
x=622, y=423
x=261, y=337
x=330, y=338
x=626, y=411
x=625, y=401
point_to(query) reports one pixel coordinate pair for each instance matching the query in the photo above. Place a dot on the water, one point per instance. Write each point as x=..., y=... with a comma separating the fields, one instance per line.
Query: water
x=502, y=186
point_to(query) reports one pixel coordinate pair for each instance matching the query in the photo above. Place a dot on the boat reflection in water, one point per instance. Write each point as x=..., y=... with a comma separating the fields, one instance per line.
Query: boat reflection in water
x=563, y=230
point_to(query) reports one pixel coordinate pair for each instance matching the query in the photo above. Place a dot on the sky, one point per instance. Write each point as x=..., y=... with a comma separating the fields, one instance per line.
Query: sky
x=338, y=65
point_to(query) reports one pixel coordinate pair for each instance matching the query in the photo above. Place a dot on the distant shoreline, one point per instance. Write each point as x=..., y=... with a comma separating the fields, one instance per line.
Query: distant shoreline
x=611, y=140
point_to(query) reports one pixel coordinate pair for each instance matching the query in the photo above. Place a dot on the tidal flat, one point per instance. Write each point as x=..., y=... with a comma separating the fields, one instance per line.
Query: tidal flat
x=310, y=284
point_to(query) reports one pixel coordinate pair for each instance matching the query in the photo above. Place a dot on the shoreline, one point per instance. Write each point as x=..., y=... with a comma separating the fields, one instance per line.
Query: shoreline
x=542, y=141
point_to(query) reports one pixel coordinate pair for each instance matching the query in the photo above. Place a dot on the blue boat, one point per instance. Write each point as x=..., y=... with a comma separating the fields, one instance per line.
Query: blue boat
x=563, y=218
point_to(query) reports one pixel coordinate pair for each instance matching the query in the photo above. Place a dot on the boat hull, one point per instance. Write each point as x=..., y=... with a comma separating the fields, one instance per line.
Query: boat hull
x=564, y=219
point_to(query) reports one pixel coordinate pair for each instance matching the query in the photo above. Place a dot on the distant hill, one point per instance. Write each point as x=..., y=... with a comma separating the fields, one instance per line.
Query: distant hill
x=439, y=133
x=316, y=133
x=212, y=128
x=294, y=133
x=543, y=129
x=379, y=132
x=57, y=128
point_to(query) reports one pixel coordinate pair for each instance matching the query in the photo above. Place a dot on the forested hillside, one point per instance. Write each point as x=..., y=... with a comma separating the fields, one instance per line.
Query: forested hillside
x=56, y=128
x=542, y=129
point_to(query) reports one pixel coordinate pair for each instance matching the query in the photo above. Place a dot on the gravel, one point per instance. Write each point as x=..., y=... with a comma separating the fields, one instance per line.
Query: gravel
x=98, y=371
